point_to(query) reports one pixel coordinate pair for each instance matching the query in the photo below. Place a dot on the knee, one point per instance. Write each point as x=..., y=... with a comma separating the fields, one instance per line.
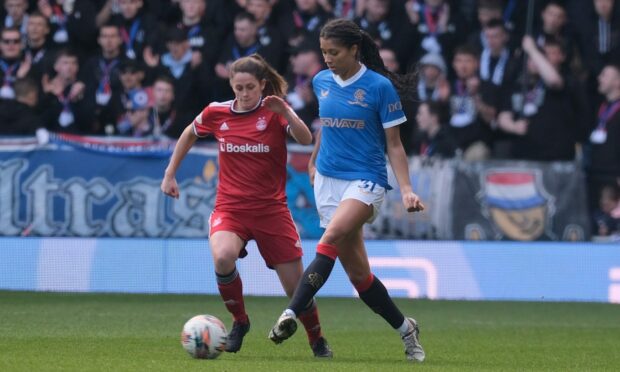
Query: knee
x=224, y=260
x=333, y=236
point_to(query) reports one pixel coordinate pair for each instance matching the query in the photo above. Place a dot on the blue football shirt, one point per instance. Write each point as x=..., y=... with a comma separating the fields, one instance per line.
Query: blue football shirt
x=354, y=114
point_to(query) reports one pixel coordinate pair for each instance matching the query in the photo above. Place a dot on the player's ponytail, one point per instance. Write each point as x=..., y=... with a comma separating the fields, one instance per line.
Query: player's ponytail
x=256, y=65
x=347, y=33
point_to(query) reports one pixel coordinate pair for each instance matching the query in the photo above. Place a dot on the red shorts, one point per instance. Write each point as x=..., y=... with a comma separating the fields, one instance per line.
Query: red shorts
x=275, y=233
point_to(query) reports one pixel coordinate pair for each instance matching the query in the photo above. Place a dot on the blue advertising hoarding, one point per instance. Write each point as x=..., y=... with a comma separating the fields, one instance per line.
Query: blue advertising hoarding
x=410, y=269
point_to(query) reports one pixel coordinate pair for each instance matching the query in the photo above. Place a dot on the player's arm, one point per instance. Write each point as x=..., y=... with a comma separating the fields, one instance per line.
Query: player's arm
x=186, y=141
x=315, y=152
x=400, y=166
x=297, y=128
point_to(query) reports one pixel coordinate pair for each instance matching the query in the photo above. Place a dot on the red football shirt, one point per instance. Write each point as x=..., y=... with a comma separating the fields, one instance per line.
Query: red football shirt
x=252, y=155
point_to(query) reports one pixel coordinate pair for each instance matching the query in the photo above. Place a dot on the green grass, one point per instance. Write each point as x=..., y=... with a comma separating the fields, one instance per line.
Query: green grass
x=112, y=332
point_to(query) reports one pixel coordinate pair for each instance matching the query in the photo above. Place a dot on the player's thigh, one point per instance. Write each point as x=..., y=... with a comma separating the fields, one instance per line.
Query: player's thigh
x=327, y=194
x=225, y=247
x=350, y=216
x=277, y=238
x=353, y=257
x=227, y=238
x=289, y=273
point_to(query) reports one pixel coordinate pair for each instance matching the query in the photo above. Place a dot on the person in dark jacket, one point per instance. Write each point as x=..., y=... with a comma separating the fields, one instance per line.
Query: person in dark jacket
x=19, y=117
x=432, y=119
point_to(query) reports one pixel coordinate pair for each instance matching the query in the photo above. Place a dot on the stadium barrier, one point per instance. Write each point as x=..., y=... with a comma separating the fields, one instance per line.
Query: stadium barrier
x=109, y=187
x=541, y=271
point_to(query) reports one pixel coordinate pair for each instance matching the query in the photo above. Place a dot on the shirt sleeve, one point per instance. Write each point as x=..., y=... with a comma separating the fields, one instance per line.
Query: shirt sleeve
x=282, y=122
x=389, y=106
x=201, y=124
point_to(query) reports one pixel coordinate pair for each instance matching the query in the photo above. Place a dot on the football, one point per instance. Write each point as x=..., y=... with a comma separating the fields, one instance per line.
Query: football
x=204, y=336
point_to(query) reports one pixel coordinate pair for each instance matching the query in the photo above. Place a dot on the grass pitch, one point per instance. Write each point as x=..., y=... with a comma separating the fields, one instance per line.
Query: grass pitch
x=112, y=332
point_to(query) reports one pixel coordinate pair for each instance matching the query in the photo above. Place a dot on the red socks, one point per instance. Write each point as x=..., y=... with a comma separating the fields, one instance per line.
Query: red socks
x=232, y=294
x=310, y=320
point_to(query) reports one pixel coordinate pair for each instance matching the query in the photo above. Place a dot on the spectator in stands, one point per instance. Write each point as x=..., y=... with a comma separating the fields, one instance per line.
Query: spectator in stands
x=72, y=24
x=487, y=10
x=268, y=32
x=136, y=122
x=495, y=60
x=138, y=29
x=101, y=75
x=131, y=76
x=514, y=17
x=556, y=55
x=243, y=42
x=554, y=25
x=536, y=107
x=408, y=130
x=38, y=50
x=304, y=22
x=433, y=83
x=348, y=9
x=201, y=36
x=19, y=117
x=432, y=123
x=179, y=63
x=386, y=24
x=164, y=117
x=12, y=64
x=67, y=109
x=604, y=140
x=16, y=15
x=438, y=27
x=305, y=63
x=603, y=222
x=599, y=36
x=389, y=60
x=598, y=41
x=497, y=70
x=468, y=107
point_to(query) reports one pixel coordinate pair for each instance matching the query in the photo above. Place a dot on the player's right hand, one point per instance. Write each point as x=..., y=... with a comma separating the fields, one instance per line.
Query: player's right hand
x=311, y=173
x=169, y=187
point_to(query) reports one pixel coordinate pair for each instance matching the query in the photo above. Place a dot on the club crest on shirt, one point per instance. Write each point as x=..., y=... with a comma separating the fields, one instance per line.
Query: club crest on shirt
x=359, y=96
x=261, y=123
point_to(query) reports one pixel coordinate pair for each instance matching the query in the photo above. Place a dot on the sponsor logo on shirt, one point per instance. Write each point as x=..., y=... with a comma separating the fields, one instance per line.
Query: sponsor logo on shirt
x=396, y=106
x=359, y=96
x=224, y=126
x=324, y=93
x=342, y=123
x=243, y=148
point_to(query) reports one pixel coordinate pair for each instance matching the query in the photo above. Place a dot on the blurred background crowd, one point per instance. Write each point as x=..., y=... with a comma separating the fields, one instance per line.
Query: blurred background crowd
x=488, y=87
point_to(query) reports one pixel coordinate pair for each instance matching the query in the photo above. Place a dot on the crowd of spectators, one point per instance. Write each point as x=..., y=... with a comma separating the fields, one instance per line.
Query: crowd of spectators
x=487, y=89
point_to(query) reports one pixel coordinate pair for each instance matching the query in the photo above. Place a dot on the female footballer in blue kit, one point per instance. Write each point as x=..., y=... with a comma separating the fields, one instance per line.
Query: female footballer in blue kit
x=360, y=111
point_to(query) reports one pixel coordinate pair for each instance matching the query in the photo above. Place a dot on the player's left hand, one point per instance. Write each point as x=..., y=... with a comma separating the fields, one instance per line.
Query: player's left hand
x=275, y=104
x=412, y=202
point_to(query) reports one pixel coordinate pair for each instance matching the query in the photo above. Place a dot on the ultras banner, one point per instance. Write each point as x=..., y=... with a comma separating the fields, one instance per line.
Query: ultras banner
x=93, y=187
x=520, y=201
x=97, y=187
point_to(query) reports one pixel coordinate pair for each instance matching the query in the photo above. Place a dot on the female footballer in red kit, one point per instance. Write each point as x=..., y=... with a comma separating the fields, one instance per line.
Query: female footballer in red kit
x=251, y=131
